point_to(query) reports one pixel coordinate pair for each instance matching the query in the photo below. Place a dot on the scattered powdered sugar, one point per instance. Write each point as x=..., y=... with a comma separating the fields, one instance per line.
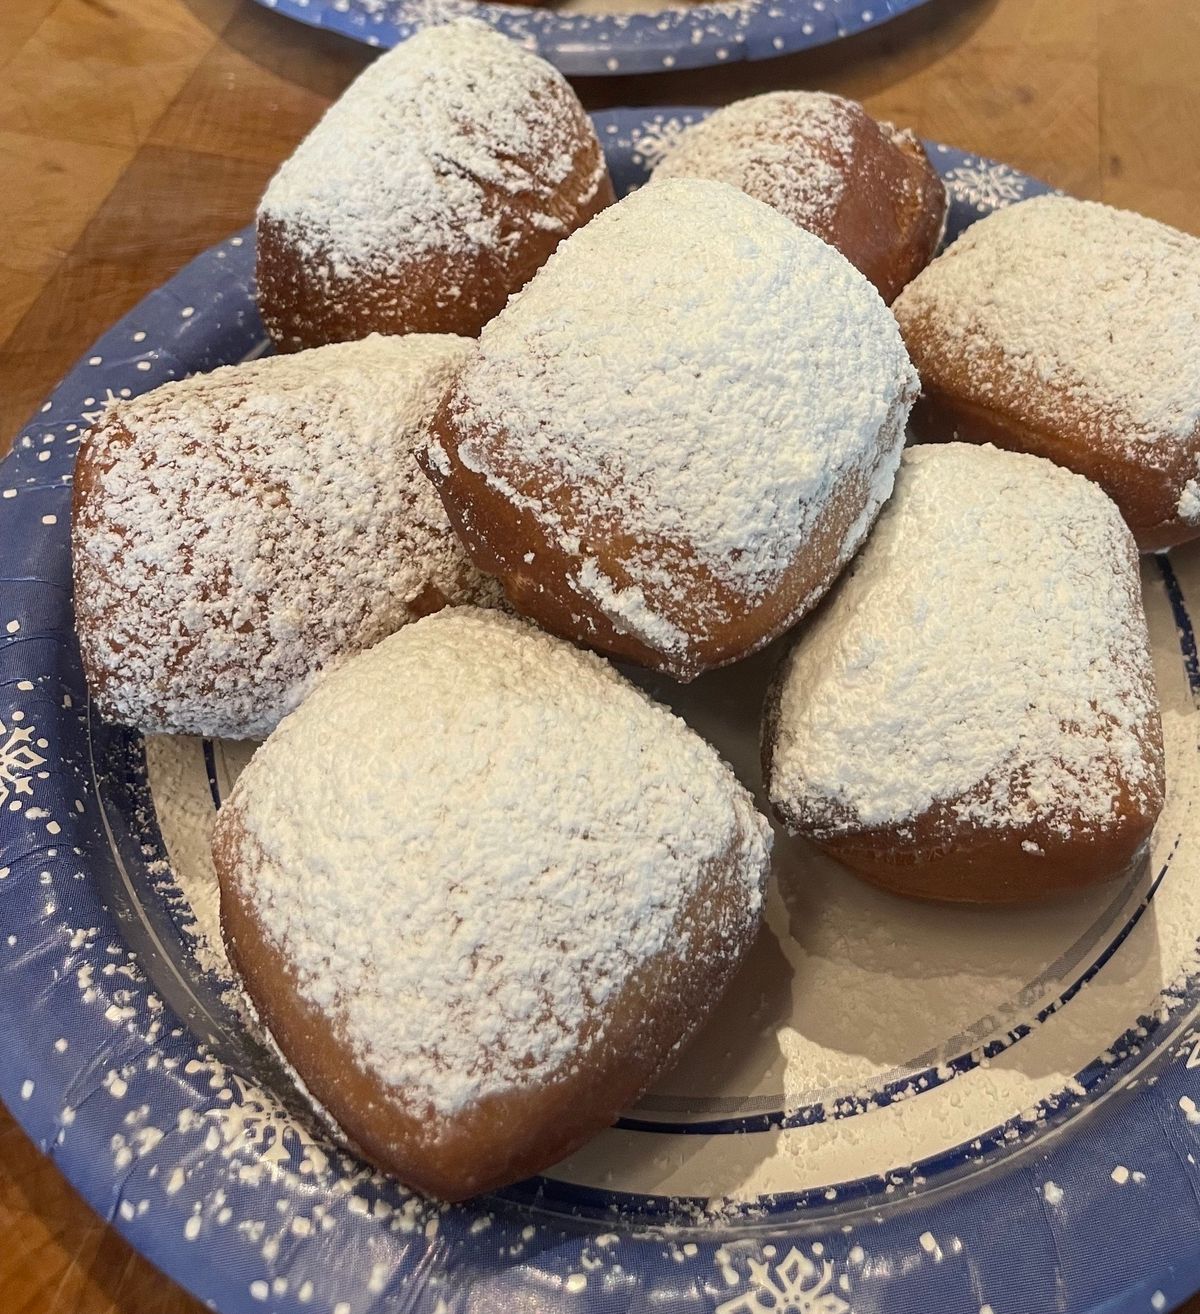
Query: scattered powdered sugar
x=1188, y=506
x=791, y=149
x=245, y=527
x=187, y=880
x=988, y=649
x=1102, y=305
x=565, y=817
x=696, y=371
x=411, y=158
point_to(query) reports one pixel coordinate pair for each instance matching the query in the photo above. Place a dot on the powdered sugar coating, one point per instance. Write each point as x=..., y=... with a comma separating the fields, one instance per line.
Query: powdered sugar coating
x=695, y=377
x=1101, y=306
x=411, y=158
x=791, y=149
x=533, y=826
x=989, y=634
x=238, y=530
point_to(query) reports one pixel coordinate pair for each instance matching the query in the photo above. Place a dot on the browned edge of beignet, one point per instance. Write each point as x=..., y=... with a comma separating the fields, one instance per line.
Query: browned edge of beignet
x=501, y=1139
x=305, y=303
x=892, y=212
x=935, y=860
x=1146, y=494
x=501, y=536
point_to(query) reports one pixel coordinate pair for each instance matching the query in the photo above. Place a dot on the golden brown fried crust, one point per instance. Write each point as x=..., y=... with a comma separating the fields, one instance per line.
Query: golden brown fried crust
x=891, y=206
x=939, y=856
x=892, y=210
x=950, y=409
x=990, y=867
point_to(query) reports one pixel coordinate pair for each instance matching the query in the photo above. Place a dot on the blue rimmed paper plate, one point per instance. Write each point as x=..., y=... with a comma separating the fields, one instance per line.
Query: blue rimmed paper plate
x=588, y=37
x=897, y=1108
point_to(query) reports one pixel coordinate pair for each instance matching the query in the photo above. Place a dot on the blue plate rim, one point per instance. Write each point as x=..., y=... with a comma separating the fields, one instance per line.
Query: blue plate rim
x=691, y=36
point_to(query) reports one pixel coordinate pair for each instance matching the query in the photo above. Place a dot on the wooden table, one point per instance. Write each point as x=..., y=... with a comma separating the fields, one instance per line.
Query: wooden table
x=134, y=133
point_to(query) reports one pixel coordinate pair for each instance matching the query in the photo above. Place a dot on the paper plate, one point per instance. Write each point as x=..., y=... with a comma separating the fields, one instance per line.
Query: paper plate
x=898, y=1108
x=615, y=36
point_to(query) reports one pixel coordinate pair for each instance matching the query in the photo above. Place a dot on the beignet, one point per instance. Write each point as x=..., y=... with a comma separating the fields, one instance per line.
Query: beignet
x=972, y=715
x=481, y=889
x=437, y=184
x=1070, y=330
x=235, y=532
x=671, y=442
x=863, y=186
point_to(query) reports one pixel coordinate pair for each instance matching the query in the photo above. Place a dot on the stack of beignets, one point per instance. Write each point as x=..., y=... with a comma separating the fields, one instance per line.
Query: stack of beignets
x=478, y=887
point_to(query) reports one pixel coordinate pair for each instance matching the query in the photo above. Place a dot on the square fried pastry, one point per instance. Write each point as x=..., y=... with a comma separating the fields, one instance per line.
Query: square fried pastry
x=972, y=714
x=1070, y=330
x=481, y=889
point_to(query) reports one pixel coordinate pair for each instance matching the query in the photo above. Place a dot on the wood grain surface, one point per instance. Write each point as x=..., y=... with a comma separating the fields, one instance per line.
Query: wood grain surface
x=134, y=133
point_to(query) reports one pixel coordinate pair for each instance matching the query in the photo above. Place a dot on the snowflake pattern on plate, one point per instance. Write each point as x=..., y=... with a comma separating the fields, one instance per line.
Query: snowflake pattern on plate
x=795, y=1286
x=985, y=184
x=18, y=760
x=655, y=143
